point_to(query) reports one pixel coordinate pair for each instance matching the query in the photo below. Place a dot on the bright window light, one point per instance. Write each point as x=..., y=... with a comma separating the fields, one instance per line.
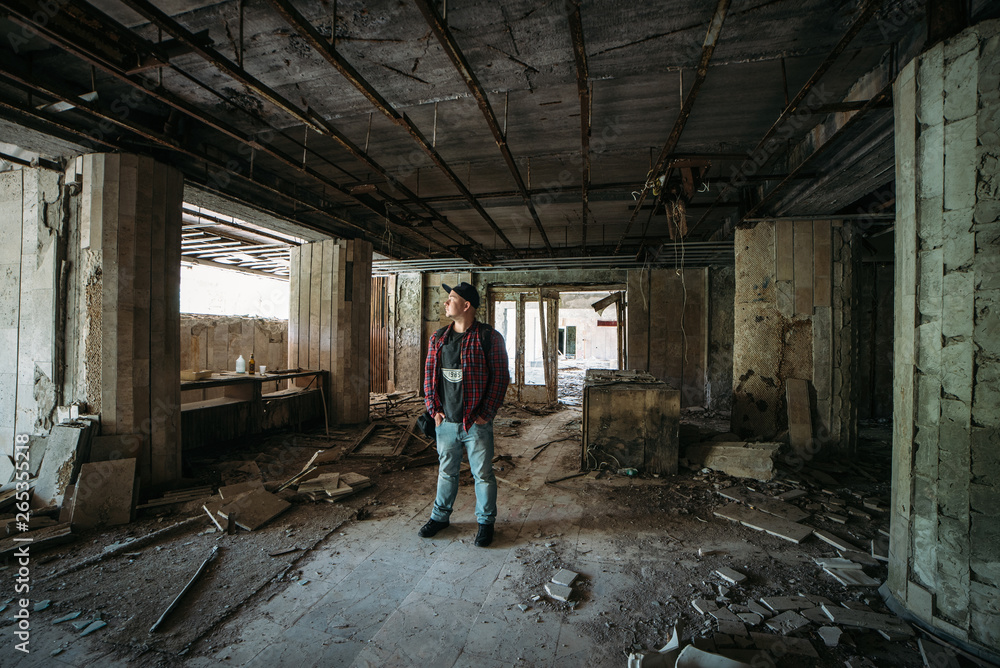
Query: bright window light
x=215, y=291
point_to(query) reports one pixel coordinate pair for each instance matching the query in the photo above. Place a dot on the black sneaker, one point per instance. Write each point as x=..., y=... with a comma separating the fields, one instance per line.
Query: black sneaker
x=485, y=535
x=431, y=528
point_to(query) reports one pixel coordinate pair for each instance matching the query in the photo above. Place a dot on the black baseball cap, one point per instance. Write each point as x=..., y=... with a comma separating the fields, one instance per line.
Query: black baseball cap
x=465, y=291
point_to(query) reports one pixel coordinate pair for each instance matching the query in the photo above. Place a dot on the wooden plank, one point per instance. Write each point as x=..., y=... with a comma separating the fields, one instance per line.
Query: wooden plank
x=823, y=263
x=803, y=270
x=764, y=503
x=169, y=462
x=658, y=295
x=784, y=251
x=160, y=383
x=867, y=620
x=142, y=392
x=109, y=290
x=292, y=359
x=669, y=317
x=305, y=299
x=695, y=337
x=754, y=519
x=326, y=310
x=315, y=302
x=799, y=415
x=127, y=199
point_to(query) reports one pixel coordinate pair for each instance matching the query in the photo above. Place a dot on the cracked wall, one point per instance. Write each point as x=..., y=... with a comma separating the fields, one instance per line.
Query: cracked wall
x=30, y=217
x=945, y=543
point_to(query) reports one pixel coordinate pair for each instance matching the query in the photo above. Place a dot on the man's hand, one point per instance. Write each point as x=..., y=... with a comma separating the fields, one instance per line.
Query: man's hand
x=438, y=419
x=481, y=421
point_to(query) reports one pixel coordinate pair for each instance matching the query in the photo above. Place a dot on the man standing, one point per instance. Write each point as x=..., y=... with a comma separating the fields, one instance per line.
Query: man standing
x=465, y=379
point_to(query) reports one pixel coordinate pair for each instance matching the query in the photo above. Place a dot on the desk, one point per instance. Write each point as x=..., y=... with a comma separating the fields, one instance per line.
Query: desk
x=245, y=409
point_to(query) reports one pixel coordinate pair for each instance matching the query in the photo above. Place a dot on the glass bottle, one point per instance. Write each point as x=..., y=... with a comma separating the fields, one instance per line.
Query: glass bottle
x=251, y=365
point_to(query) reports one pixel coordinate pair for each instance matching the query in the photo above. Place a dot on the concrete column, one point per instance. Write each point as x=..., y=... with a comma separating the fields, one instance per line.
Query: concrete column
x=794, y=299
x=945, y=535
x=328, y=323
x=128, y=314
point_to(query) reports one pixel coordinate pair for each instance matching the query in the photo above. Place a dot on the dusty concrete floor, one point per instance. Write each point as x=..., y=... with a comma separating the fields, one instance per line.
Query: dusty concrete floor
x=370, y=592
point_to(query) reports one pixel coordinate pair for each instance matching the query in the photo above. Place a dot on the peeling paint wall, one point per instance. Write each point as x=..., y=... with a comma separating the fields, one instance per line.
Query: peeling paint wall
x=793, y=319
x=944, y=557
x=408, y=337
x=30, y=223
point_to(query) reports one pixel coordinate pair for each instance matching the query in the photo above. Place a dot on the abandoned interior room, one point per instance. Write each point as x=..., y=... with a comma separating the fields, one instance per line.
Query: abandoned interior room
x=743, y=257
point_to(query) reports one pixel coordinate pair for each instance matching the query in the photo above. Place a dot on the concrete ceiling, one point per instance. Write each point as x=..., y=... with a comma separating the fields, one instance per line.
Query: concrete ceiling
x=356, y=172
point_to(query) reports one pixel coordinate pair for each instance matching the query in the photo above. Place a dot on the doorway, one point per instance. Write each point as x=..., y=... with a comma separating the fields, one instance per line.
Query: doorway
x=554, y=334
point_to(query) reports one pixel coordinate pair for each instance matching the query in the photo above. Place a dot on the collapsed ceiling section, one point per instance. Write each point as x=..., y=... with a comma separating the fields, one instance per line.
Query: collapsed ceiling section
x=474, y=129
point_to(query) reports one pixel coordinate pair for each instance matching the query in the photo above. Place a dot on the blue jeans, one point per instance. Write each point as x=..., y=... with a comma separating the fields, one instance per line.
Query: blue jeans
x=452, y=441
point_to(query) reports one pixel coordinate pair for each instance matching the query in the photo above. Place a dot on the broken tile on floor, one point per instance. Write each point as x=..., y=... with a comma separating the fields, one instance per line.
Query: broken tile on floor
x=867, y=620
x=786, y=645
x=852, y=577
x=787, y=622
x=754, y=519
x=751, y=618
x=836, y=541
x=725, y=614
x=764, y=503
x=255, y=509
x=935, y=655
x=704, y=606
x=782, y=603
x=731, y=575
x=565, y=577
x=558, y=591
x=830, y=635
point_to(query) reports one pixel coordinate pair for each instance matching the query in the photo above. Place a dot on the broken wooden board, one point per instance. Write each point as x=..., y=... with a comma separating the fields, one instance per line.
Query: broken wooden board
x=767, y=504
x=352, y=451
x=835, y=541
x=230, y=492
x=104, y=494
x=40, y=539
x=867, y=620
x=799, y=416
x=255, y=509
x=356, y=480
x=326, y=482
x=754, y=519
x=852, y=577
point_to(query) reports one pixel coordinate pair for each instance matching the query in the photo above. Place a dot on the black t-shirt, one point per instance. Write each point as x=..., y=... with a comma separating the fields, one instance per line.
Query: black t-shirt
x=451, y=376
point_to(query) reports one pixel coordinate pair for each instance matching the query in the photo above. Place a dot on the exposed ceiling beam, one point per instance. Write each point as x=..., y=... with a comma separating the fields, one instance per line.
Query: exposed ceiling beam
x=707, y=49
x=450, y=46
x=230, y=69
x=583, y=92
x=309, y=33
x=873, y=103
x=766, y=151
x=45, y=84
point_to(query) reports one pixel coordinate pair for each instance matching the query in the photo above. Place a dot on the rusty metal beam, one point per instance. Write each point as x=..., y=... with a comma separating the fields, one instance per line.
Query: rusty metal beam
x=53, y=30
x=309, y=33
x=707, y=49
x=867, y=11
x=874, y=103
x=307, y=117
x=583, y=91
x=450, y=46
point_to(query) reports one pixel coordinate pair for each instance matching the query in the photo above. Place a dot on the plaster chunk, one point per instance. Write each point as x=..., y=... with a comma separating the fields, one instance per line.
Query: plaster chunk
x=931, y=294
x=930, y=152
x=930, y=87
x=956, y=369
x=961, y=86
x=930, y=221
x=960, y=164
x=959, y=241
x=958, y=301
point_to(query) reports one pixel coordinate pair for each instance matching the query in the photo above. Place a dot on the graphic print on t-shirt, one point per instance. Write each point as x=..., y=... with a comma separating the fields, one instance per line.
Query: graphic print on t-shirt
x=451, y=375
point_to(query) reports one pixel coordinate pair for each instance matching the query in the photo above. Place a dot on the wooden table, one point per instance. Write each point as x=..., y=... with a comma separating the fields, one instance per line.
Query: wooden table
x=245, y=409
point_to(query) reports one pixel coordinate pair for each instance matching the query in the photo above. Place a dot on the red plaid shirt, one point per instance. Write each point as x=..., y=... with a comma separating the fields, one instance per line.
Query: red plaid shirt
x=484, y=383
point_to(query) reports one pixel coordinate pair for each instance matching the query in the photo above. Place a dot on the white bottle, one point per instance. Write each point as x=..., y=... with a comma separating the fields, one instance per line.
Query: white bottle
x=241, y=365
